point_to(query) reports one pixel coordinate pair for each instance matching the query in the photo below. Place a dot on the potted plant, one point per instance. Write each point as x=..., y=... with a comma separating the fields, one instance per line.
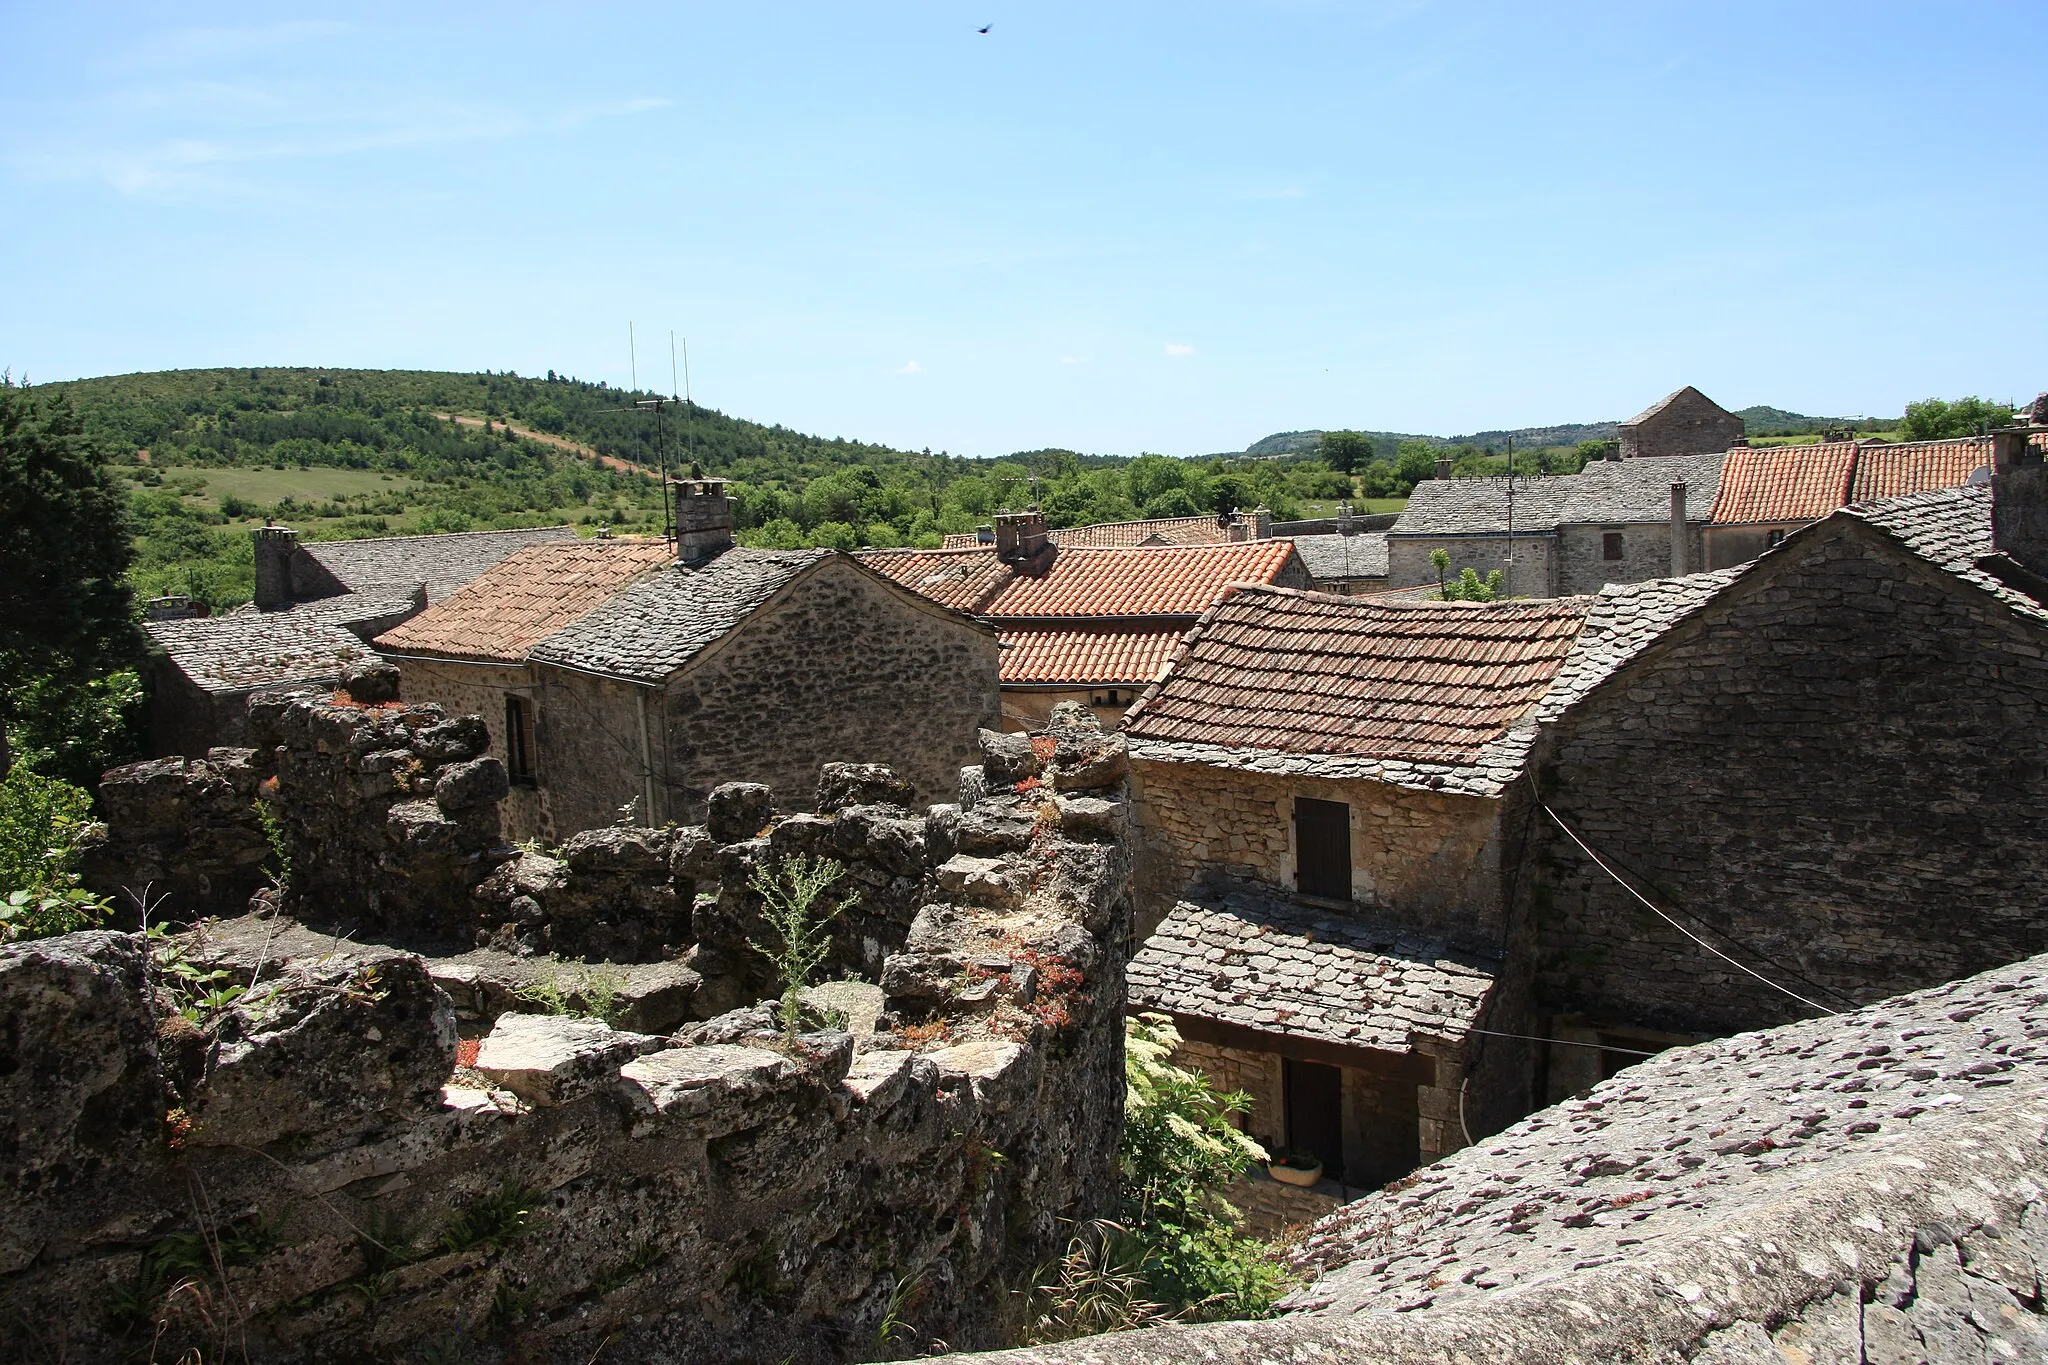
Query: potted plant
x=1295, y=1168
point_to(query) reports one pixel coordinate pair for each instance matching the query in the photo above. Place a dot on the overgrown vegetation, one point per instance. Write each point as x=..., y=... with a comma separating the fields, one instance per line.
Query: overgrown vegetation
x=1176, y=1250
x=585, y=992
x=800, y=933
x=1935, y=419
x=43, y=823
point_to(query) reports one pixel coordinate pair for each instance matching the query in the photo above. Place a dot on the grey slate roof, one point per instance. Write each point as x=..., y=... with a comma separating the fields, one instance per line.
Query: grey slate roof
x=1270, y=965
x=1614, y=491
x=1335, y=558
x=1604, y=492
x=442, y=562
x=1950, y=528
x=665, y=620
x=1480, y=507
x=1624, y=620
x=308, y=642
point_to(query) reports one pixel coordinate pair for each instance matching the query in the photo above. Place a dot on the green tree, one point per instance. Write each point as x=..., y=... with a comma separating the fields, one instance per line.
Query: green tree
x=42, y=822
x=1415, y=462
x=1469, y=586
x=1345, y=451
x=1440, y=560
x=66, y=615
x=1933, y=419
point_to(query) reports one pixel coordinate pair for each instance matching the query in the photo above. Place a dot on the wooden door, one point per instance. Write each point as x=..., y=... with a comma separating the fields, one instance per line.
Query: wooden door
x=1322, y=849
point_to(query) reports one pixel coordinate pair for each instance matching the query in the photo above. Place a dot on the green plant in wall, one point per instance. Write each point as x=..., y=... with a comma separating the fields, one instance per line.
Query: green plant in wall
x=790, y=892
x=43, y=824
x=279, y=868
x=1440, y=560
x=588, y=993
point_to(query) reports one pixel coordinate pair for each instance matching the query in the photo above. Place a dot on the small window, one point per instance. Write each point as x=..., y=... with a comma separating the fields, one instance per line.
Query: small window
x=1322, y=849
x=1314, y=1094
x=1774, y=539
x=519, y=740
x=1610, y=545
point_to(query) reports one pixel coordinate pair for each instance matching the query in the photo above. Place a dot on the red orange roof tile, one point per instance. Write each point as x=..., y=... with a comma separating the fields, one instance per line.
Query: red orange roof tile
x=1891, y=471
x=1784, y=483
x=502, y=613
x=1085, y=656
x=1171, y=530
x=1087, y=582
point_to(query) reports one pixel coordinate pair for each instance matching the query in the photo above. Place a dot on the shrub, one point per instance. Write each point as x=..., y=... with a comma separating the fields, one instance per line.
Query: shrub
x=43, y=821
x=789, y=892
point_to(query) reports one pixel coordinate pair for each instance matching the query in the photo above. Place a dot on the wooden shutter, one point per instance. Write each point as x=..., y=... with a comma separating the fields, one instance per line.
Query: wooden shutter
x=1322, y=849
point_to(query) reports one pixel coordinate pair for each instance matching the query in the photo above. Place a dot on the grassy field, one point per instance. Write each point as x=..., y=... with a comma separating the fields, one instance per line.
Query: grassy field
x=1814, y=440
x=211, y=486
x=1327, y=507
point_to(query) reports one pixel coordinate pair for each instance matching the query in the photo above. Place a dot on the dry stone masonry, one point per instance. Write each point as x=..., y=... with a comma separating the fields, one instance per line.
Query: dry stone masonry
x=354, y=1152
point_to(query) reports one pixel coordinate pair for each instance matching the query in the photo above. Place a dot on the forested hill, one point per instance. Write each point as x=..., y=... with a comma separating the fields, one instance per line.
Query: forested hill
x=352, y=453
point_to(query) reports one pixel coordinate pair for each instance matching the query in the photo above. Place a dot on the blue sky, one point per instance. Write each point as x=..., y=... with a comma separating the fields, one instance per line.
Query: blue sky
x=1115, y=227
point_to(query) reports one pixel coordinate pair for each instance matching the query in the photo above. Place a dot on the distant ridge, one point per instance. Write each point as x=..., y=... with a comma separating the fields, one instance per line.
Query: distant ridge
x=1759, y=420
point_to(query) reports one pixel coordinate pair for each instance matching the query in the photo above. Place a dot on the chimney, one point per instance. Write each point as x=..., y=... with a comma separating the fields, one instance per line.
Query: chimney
x=1345, y=525
x=275, y=546
x=1678, y=536
x=984, y=535
x=1262, y=523
x=1443, y=469
x=1022, y=537
x=2019, y=499
x=1239, y=531
x=703, y=520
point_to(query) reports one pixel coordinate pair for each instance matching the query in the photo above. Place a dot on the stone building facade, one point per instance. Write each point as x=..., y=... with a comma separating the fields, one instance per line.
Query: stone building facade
x=1683, y=423
x=1830, y=768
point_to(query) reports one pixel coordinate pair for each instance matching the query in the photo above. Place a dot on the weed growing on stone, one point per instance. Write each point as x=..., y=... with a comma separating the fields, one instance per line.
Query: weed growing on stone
x=592, y=993
x=279, y=869
x=492, y=1221
x=1097, y=1286
x=790, y=890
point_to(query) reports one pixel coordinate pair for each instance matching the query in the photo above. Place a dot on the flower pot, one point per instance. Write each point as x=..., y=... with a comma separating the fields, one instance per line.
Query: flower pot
x=1303, y=1176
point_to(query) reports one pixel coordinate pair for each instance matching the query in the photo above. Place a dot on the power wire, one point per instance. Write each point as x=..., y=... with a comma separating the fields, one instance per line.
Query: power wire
x=1659, y=912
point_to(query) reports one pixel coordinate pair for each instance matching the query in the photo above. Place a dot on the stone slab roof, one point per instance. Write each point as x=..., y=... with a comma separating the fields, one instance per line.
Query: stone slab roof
x=1338, y=558
x=1666, y=401
x=1086, y=655
x=1715, y=1141
x=1269, y=965
x=1156, y=530
x=659, y=624
x=1085, y=582
x=1950, y=528
x=307, y=642
x=506, y=610
x=1622, y=491
x=1479, y=507
x=1277, y=670
x=442, y=562
x=1624, y=619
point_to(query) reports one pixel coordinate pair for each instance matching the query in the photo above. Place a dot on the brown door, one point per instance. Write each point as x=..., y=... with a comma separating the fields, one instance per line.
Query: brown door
x=1315, y=1112
x=1322, y=849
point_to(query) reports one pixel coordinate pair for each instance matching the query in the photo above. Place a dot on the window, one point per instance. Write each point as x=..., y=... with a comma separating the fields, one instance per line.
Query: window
x=1610, y=545
x=1315, y=1112
x=519, y=740
x=1322, y=849
x=1774, y=539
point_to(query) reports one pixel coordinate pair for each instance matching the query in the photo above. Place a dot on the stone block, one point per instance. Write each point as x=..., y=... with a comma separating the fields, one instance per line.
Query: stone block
x=882, y=835
x=738, y=810
x=698, y=1082
x=1092, y=817
x=1088, y=759
x=989, y=882
x=465, y=786
x=860, y=784
x=1006, y=759
x=619, y=851
x=370, y=681
x=550, y=1059
x=455, y=740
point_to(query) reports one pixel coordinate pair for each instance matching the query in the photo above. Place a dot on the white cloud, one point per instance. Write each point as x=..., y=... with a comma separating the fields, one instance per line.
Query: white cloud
x=910, y=367
x=1179, y=348
x=1070, y=360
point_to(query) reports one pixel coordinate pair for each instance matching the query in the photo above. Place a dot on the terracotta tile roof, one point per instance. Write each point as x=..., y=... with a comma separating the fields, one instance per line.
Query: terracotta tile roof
x=1086, y=656
x=1303, y=673
x=1266, y=964
x=1784, y=483
x=505, y=611
x=1889, y=471
x=1086, y=582
x=442, y=562
x=1171, y=530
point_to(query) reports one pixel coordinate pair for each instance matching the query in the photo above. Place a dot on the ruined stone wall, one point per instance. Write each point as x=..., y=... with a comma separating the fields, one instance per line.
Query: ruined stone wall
x=1534, y=571
x=1645, y=554
x=305, y=1173
x=463, y=689
x=1839, y=764
x=1422, y=859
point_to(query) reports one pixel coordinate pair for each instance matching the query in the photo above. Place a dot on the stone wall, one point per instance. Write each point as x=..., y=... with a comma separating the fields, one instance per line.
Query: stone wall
x=1426, y=860
x=1534, y=572
x=1727, y=546
x=1838, y=764
x=306, y=1173
x=1690, y=424
x=1645, y=554
x=844, y=668
x=464, y=689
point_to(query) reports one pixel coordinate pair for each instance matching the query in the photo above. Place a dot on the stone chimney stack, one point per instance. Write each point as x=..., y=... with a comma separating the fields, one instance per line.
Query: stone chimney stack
x=1443, y=468
x=1678, y=536
x=1262, y=523
x=2019, y=499
x=703, y=520
x=1238, y=530
x=275, y=546
x=1346, y=524
x=1022, y=538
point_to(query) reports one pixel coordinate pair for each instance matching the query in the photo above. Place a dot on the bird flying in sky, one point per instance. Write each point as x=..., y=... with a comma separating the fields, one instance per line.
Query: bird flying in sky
x=984, y=28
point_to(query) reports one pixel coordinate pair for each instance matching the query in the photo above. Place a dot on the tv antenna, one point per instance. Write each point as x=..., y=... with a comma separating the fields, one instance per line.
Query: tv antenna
x=668, y=516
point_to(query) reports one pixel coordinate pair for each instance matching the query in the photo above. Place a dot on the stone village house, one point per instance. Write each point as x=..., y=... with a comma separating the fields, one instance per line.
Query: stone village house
x=1083, y=623
x=316, y=606
x=624, y=675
